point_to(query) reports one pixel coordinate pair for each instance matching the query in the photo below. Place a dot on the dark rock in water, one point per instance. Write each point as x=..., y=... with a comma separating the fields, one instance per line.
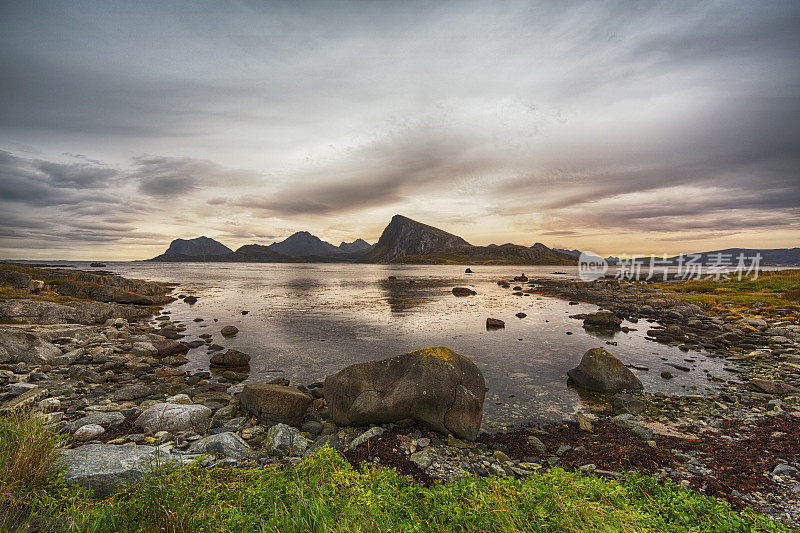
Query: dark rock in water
x=523, y=277
x=520, y=315
x=772, y=387
x=228, y=331
x=215, y=348
x=170, y=347
x=231, y=358
x=463, y=291
x=190, y=299
x=679, y=367
x=602, y=320
x=97, y=265
x=245, y=312
x=274, y=403
x=667, y=375
x=602, y=372
x=494, y=323
x=517, y=288
x=468, y=271
x=197, y=320
x=434, y=386
x=574, y=303
x=392, y=277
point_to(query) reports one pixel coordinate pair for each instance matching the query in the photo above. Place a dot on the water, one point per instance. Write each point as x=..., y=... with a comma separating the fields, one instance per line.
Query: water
x=307, y=321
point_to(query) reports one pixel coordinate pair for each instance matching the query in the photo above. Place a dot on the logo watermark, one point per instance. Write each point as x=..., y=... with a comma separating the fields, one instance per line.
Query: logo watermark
x=716, y=266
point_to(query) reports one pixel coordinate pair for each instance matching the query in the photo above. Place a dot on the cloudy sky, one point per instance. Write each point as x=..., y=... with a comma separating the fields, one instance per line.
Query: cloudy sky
x=618, y=127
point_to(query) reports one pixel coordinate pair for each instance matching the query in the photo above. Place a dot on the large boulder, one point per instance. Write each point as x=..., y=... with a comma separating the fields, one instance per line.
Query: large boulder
x=105, y=468
x=602, y=320
x=274, y=403
x=434, y=386
x=175, y=417
x=601, y=371
x=25, y=347
x=228, y=444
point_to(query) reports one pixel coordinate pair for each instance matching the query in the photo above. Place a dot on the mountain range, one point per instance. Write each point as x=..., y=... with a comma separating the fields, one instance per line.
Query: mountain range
x=407, y=241
x=403, y=241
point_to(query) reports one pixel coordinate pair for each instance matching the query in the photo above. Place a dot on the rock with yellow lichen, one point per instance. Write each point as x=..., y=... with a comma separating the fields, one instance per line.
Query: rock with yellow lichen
x=434, y=386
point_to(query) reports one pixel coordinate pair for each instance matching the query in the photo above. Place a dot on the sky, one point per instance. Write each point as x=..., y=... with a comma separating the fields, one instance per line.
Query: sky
x=616, y=127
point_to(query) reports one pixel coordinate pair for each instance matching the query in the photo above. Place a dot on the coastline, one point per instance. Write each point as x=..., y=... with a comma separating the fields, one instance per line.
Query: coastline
x=106, y=373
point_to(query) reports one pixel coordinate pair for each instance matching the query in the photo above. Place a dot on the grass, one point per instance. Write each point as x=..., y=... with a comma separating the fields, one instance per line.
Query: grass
x=772, y=290
x=26, y=455
x=326, y=494
x=10, y=293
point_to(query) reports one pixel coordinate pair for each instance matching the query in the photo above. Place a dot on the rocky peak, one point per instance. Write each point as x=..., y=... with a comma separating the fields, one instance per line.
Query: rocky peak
x=199, y=247
x=405, y=237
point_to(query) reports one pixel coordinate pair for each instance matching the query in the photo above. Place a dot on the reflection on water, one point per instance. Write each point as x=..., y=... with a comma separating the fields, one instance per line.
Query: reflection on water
x=305, y=322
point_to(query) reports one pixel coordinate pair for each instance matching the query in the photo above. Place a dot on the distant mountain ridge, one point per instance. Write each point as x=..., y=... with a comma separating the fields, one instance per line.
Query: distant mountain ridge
x=200, y=246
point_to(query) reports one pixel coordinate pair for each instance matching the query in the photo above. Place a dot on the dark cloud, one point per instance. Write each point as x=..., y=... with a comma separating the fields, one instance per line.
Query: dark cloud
x=174, y=176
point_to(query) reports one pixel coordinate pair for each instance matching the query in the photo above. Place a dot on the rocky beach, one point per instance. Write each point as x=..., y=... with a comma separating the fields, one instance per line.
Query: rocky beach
x=94, y=354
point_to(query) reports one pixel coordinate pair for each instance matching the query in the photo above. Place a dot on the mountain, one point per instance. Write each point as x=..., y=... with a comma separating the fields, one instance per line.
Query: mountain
x=573, y=253
x=404, y=237
x=199, y=247
x=408, y=241
x=769, y=256
x=358, y=245
x=302, y=244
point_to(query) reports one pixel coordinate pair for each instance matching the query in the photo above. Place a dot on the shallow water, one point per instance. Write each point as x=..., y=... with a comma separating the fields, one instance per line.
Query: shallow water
x=307, y=321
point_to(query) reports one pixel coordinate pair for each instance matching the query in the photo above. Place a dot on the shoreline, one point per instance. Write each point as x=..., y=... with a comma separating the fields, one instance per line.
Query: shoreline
x=106, y=375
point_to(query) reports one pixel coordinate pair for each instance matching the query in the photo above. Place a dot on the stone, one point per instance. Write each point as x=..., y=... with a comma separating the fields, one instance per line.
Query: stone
x=312, y=427
x=107, y=420
x=274, y=403
x=463, y=291
x=144, y=349
x=772, y=387
x=600, y=371
x=227, y=444
x=584, y=423
x=625, y=403
x=494, y=323
x=628, y=421
x=421, y=459
x=537, y=443
x=285, y=441
x=182, y=399
x=88, y=432
x=602, y=320
x=229, y=331
x=16, y=280
x=368, y=434
x=231, y=358
x=175, y=417
x=25, y=347
x=105, y=468
x=520, y=315
x=133, y=392
x=434, y=386
x=169, y=347
x=665, y=374
x=501, y=457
